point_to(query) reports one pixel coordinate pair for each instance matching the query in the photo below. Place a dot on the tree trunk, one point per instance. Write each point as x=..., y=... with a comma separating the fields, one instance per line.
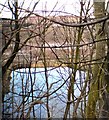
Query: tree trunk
x=104, y=113
x=98, y=75
x=5, y=67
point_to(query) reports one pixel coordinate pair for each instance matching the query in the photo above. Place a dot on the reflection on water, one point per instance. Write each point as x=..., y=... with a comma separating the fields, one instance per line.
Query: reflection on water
x=29, y=85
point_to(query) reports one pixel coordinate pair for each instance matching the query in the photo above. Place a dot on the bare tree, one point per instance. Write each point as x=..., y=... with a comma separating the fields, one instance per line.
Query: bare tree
x=55, y=66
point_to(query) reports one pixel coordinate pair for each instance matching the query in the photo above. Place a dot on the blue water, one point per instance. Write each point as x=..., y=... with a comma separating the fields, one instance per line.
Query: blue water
x=24, y=80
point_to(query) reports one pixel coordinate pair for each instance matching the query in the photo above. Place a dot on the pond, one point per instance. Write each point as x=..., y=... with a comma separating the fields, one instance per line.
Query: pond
x=28, y=85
